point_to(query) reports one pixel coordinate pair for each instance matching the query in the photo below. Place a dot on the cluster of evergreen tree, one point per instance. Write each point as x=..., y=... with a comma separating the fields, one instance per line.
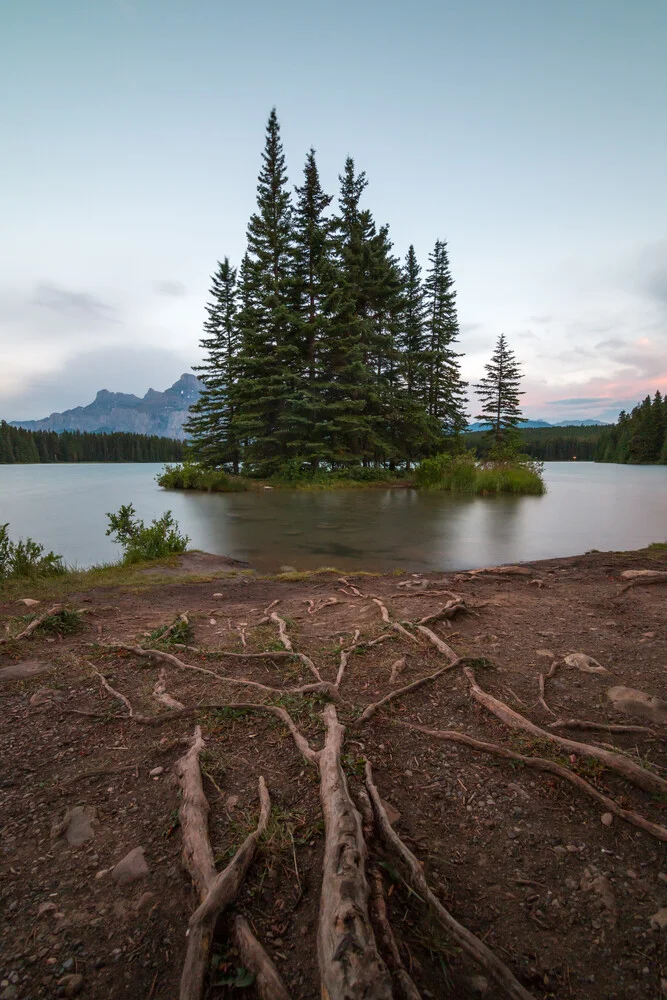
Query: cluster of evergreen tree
x=21, y=446
x=546, y=444
x=324, y=351
x=639, y=437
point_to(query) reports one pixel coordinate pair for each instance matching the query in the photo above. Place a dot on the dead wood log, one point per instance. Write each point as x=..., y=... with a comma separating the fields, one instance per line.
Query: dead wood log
x=378, y=906
x=551, y=767
x=466, y=940
x=268, y=983
x=350, y=965
x=221, y=890
x=601, y=727
x=616, y=762
x=31, y=626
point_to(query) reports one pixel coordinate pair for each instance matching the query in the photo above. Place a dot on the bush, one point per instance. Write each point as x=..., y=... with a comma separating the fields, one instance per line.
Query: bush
x=190, y=476
x=462, y=474
x=161, y=538
x=26, y=558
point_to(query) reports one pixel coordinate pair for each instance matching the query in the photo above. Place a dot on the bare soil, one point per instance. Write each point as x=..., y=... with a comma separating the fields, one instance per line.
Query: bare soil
x=520, y=857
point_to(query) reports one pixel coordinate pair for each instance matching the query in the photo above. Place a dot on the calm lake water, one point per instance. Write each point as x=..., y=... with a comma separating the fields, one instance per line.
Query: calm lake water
x=588, y=506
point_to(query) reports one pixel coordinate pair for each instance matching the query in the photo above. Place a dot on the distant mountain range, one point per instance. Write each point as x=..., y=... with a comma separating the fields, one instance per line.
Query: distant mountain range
x=161, y=413
x=480, y=426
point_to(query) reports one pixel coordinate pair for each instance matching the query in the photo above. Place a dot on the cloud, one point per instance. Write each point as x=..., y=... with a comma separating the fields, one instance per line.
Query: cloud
x=68, y=302
x=653, y=271
x=576, y=401
x=542, y=320
x=172, y=289
x=610, y=344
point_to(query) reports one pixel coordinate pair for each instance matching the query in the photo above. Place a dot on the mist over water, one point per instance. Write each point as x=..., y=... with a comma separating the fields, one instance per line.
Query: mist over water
x=587, y=506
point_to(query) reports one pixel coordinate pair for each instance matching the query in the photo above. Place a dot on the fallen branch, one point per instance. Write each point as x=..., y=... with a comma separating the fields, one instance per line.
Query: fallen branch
x=219, y=892
x=616, y=762
x=405, y=985
x=601, y=727
x=31, y=626
x=350, y=965
x=466, y=940
x=268, y=983
x=550, y=766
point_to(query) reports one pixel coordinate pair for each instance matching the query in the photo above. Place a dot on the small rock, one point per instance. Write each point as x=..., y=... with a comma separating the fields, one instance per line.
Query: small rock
x=155, y=771
x=479, y=985
x=68, y=965
x=131, y=868
x=9, y=993
x=45, y=908
x=287, y=569
x=45, y=696
x=26, y=668
x=76, y=825
x=607, y=819
x=659, y=919
x=218, y=595
x=393, y=815
x=29, y=602
x=144, y=901
x=634, y=702
x=662, y=876
x=586, y=664
x=545, y=652
x=70, y=986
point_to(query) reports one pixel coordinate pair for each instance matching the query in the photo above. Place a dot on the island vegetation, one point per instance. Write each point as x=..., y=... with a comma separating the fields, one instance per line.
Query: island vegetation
x=23, y=447
x=639, y=437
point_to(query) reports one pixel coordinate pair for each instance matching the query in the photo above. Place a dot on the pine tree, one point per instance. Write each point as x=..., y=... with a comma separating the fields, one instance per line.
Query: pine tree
x=412, y=337
x=446, y=390
x=266, y=395
x=499, y=393
x=211, y=423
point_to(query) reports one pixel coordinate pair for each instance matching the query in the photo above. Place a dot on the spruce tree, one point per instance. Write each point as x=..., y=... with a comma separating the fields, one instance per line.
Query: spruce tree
x=499, y=393
x=210, y=426
x=412, y=337
x=266, y=394
x=446, y=390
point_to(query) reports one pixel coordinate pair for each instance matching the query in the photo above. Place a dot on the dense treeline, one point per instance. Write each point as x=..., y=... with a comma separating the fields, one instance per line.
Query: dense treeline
x=324, y=350
x=21, y=446
x=639, y=437
x=547, y=444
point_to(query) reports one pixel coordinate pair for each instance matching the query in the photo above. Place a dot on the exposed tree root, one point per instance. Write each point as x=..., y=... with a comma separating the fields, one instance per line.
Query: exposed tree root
x=467, y=941
x=450, y=609
x=31, y=626
x=601, y=727
x=161, y=694
x=350, y=965
x=541, y=700
x=643, y=581
x=427, y=593
x=315, y=606
x=616, y=762
x=397, y=668
x=438, y=643
x=405, y=986
x=355, y=590
x=282, y=631
x=397, y=627
x=112, y=691
x=180, y=619
x=216, y=891
x=550, y=766
x=371, y=709
x=268, y=983
x=383, y=610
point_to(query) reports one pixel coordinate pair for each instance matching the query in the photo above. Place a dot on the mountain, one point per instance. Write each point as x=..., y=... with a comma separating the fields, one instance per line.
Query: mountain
x=481, y=426
x=161, y=413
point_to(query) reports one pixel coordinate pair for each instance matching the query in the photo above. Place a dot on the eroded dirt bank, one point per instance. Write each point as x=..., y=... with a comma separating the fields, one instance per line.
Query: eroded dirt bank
x=568, y=891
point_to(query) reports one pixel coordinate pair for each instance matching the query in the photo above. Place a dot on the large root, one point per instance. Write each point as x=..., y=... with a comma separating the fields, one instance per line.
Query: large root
x=31, y=626
x=268, y=983
x=616, y=762
x=551, y=767
x=466, y=940
x=600, y=727
x=350, y=965
x=405, y=985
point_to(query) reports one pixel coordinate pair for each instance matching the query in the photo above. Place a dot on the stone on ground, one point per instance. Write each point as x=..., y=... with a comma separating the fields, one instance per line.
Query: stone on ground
x=586, y=664
x=26, y=668
x=131, y=868
x=633, y=702
x=76, y=825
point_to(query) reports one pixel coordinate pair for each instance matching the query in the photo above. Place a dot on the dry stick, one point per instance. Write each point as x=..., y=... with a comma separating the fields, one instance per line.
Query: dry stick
x=599, y=726
x=466, y=940
x=221, y=890
x=616, y=762
x=350, y=965
x=31, y=626
x=161, y=694
x=406, y=987
x=543, y=764
x=541, y=700
x=268, y=983
x=323, y=687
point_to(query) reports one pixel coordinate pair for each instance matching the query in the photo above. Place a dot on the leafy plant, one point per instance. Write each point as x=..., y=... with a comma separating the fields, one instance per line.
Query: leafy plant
x=161, y=538
x=180, y=631
x=26, y=558
x=63, y=622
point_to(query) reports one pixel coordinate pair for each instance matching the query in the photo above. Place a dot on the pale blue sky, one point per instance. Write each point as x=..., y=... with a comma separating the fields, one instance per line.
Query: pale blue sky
x=531, y=135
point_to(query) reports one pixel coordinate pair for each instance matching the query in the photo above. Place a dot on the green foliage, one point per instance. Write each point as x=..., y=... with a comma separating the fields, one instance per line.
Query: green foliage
x=21, y=446
x=640, y=437
x=461, y=474
x=161, y=538
x=499, y=393
x=190, y=476
x=545, y=444
x=26, y=558
x=63, y=622
x=179, y=631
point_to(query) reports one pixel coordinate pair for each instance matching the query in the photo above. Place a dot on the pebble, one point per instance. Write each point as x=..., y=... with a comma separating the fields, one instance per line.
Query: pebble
x=9, y=993
x=70, y=986
x=131, y=868
x=659, y=919
x=607, y=819
x=155, y=771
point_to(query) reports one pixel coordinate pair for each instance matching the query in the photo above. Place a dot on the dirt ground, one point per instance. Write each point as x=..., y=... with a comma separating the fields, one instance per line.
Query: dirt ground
x=565, y=893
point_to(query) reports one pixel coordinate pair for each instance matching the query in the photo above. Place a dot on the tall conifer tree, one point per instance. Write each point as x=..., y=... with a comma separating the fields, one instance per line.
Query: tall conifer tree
x=499, y=392
x=210, y=426
x=446, y=390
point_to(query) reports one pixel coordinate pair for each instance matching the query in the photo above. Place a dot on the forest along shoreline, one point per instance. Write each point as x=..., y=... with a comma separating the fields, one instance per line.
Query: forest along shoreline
x=514, y=732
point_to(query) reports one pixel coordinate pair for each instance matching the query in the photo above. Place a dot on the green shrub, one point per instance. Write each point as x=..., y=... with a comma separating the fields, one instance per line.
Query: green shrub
x=161, y=538
x=190, y=476
x=462, y=474
x=26, y=558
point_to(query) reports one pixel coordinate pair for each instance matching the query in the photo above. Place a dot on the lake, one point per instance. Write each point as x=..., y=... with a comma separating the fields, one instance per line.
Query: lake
x=587, y=506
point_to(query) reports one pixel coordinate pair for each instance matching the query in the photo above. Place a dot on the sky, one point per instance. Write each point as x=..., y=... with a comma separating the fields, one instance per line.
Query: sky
x=530, y=135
